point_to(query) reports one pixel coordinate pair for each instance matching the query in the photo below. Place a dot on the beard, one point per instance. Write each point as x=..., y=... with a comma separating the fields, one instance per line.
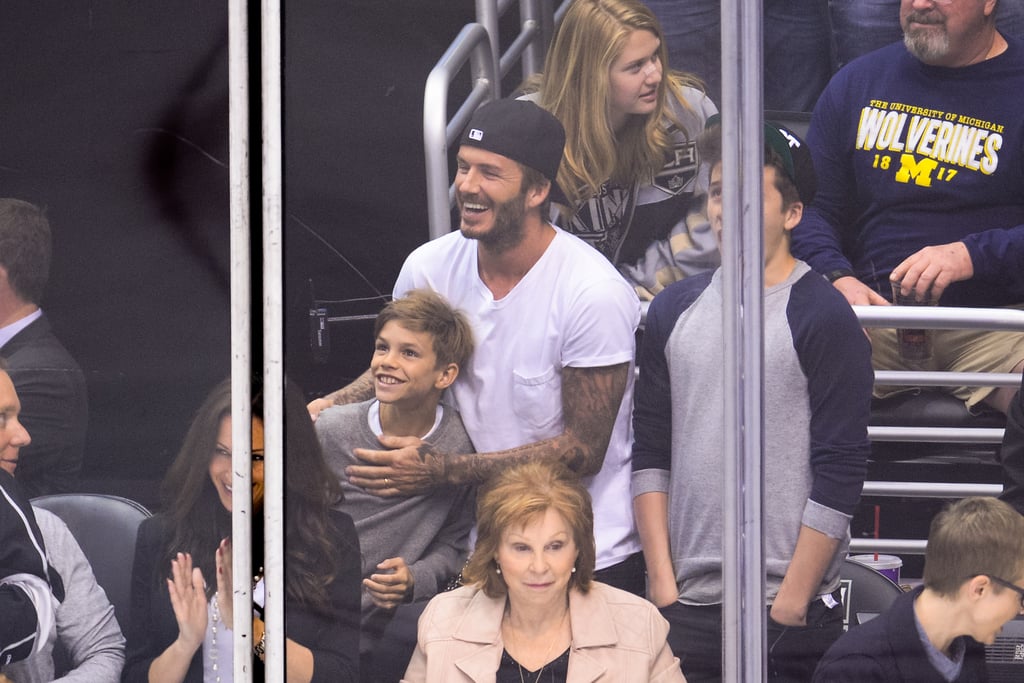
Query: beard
x=927, y=44
x=507, y=227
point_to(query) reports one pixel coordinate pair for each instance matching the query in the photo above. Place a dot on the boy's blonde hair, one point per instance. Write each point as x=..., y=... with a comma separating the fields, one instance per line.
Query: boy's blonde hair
x=422, y=310
x=973, y=537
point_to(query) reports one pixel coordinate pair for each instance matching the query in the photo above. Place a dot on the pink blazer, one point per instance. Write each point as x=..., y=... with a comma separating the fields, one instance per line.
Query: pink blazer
x=616, y=637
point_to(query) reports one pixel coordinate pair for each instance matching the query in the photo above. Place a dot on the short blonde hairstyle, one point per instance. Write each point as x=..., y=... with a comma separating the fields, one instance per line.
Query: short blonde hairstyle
x=521, y=495
x=973, y=537
x=575, y=87
x=426, y=311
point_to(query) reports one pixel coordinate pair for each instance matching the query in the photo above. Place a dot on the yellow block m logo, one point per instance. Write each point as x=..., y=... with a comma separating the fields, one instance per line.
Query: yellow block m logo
x=920, y=171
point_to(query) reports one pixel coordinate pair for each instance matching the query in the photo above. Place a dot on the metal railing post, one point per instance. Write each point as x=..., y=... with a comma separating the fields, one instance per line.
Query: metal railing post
x=438, y=132
x=241, y=327
x=744, y=620
x=273, y=347
x=487, y=14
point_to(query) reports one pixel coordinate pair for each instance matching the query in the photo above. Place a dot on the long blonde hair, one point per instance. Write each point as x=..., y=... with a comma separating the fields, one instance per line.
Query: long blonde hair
x=575, y=88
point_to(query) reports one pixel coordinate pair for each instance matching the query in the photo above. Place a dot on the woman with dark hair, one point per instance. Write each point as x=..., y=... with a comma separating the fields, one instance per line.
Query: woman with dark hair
x=184, y=623
x=530, y=609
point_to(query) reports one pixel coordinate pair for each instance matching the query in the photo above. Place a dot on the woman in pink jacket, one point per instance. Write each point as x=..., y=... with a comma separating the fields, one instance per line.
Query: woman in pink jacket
x=530, y=610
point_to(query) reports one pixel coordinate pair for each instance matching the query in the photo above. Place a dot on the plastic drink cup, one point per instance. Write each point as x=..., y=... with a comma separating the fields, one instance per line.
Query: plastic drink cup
x=887, y=565
x=914, y=344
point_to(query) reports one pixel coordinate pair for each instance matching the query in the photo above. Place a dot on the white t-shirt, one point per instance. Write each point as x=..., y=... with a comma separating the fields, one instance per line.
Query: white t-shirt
x=572, y=309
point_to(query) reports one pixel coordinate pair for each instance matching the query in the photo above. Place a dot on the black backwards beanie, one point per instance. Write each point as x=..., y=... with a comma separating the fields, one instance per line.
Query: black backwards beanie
x=523, y=132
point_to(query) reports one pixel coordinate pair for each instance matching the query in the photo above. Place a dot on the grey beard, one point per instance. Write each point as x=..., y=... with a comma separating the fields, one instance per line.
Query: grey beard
x=927, y=46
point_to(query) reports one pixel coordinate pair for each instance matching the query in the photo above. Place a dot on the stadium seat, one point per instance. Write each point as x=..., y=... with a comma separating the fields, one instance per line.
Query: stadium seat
x=866, y=592
x=105, y=527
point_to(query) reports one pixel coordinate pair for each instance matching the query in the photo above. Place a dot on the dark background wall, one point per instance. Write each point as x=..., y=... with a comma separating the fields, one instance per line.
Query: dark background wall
x=113, y=115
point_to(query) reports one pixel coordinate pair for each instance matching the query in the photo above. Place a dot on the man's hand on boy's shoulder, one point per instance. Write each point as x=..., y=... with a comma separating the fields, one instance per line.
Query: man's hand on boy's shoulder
x=315, y=407
x=408, y=467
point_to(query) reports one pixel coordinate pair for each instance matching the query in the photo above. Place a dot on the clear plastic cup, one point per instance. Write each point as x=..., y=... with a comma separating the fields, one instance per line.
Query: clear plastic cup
x=914, y=344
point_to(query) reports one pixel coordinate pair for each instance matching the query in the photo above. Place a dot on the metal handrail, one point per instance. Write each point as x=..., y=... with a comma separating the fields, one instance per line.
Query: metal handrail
x=531, y=42
x=472, y=44
x=906, y=546
x=913, y=489
x=918, y=489
x=936, y=434
x=942, y=318
x=935, y=318
x=477, y=42
x=947, y=379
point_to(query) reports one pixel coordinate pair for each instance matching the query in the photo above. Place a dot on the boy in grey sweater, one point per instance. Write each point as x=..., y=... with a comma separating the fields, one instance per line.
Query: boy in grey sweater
x=411, y=545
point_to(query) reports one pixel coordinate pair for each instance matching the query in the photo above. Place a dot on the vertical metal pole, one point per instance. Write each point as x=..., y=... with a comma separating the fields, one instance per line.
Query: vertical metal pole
x=241, y=333
x=534, y=53
x=487, y=16
x=273, y=375
x=744, y=619
x=546, y=10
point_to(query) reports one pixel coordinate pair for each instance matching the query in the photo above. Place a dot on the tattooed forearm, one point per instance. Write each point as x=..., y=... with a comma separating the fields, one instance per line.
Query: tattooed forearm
x=478, y=468
x=360, y=389
x=590, y=403
x=436, y=461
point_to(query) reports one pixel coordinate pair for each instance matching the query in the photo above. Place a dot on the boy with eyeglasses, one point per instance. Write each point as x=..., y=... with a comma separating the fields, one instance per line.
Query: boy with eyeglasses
x=973, y=576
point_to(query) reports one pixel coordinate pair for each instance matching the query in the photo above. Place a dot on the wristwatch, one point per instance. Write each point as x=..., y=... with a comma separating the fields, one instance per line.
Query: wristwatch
x=834, y=275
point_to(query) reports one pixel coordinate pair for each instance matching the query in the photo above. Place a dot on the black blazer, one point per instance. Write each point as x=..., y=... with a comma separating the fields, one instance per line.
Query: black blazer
x=54, y=409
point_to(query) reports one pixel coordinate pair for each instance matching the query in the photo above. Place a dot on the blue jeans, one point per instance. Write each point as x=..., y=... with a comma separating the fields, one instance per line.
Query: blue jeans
x=797, y=47
x=861, y=26
x=695, y=636
x=1010, y=18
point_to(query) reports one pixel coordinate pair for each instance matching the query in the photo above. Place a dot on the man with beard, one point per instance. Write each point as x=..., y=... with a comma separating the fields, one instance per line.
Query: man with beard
x=918, y=148
x=552, y=374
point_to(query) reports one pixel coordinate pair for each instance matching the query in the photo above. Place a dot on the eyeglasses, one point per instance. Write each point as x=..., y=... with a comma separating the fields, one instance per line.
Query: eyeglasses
x=1011, y=586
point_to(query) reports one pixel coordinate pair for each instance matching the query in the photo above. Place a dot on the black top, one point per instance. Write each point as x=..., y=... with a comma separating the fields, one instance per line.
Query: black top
x=555, y=671
x=334, y=641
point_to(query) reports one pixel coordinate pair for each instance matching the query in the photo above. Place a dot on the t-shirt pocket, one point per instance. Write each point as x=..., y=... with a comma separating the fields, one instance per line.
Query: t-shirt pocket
x=537, y=399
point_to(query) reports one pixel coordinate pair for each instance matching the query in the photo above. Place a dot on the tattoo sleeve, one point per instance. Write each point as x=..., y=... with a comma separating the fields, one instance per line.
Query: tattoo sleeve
x=360, y=389
x=590, y=402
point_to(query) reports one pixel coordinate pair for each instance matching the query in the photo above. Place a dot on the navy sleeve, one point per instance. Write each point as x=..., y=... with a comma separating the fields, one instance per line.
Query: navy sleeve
x=818, y=238
x=652, y=407
x=998, y=256
x=835, y=356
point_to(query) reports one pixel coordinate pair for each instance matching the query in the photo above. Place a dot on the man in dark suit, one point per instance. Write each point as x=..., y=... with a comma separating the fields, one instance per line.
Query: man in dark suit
x=48, y=380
